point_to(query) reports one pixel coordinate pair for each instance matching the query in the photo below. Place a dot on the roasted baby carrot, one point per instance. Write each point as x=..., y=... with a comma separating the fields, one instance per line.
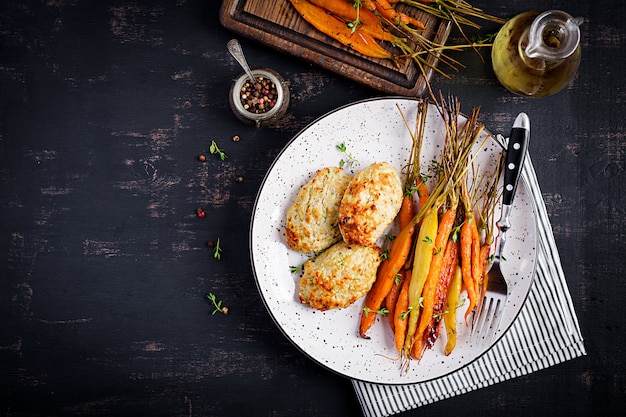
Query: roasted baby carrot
x=362, y=20
x=434, y=272
x=421, y=264
x=407, y=211
x=360, y=41
x=422, y=192
x=400, y=317
x=477, y=262
x=405, y=215
x=348, y=11
x=466, y=265
x=385, y=277
x=450, y=261
x=399, y=18
x=485, y=253
x=452, y=302
x=392, y=298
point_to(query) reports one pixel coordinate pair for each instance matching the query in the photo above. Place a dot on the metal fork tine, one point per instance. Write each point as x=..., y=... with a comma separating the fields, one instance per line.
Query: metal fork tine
x=488, y=315
x=497, y=318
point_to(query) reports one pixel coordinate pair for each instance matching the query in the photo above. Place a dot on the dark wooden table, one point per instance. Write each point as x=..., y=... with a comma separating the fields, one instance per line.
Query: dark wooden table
x=104, y=264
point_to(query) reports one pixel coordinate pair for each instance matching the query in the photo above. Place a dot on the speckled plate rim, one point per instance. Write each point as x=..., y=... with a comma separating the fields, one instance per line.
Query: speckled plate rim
x=373, y=130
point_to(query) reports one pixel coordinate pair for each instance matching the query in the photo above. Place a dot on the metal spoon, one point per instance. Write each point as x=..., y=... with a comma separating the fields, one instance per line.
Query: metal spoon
x=234, y=47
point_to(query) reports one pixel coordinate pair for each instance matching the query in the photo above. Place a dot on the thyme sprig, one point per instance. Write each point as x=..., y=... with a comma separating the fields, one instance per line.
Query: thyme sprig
x=357, y=21
x=217, y=249
x=383, y=311
x=215, y=150
x=217, y=304
x=350, y=161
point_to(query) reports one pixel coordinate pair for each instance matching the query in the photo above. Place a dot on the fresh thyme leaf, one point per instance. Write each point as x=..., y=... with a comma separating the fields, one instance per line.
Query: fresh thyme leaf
x=403, y=315
x=215, y=150
x=350, y=161
x=383, y=311
x=217, y=250
x=217, y=304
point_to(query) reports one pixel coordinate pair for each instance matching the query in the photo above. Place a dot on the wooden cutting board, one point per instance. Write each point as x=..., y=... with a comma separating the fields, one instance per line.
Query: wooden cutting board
x=276, y=24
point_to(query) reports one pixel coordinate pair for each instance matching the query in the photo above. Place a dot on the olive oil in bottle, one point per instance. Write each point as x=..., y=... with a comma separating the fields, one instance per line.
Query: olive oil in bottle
x=537, y=54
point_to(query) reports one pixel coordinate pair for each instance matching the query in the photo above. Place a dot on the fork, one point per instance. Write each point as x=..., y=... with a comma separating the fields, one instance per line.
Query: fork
x=494, y=293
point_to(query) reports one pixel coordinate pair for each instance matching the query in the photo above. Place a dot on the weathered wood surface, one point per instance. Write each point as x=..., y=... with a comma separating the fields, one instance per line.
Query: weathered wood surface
x=104, y=265
x=277, y=24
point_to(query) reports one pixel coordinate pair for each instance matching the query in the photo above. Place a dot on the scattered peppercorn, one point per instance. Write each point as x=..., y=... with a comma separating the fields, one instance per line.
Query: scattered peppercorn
x=200, y=213
x=236, y=138
x=239, y=179
x=259, y=97
x=210, y=244
x=202, y=158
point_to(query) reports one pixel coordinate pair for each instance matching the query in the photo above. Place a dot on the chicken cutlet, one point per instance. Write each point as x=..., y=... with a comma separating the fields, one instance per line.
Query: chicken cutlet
x=312, y=219
x=370, y=203
x=339, y=276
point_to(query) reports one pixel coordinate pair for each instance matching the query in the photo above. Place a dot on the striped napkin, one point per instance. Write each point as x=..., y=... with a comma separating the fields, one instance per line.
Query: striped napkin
x=545, y=333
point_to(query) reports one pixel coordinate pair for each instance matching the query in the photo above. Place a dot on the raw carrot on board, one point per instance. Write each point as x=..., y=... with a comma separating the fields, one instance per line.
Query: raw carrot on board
x=337, y=29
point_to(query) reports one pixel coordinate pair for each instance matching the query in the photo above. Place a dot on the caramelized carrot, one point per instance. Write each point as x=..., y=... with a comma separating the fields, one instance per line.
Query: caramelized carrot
x=405, y=215
x=432, y=279
x=360, y=41
x=477, y=262
x=449, y=317
x=450, y=261
x=348, y=11
x=392, y=298
x=385, y=277
x=399, y=18
x=421, y=264
x=400, y=317
x=485, y=253
x=422, y=192
x=430, y=334
x=407, y=211
x=361, y=20
x=417, y=348
x=466, y=265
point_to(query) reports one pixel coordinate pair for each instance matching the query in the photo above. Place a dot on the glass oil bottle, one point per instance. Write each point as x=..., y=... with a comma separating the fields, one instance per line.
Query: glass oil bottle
x=537, y=54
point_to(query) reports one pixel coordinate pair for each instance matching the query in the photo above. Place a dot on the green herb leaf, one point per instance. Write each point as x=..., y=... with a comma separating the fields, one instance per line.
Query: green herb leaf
x=217, y=304
x=217, y=250
x=350, y=161
x=215, y=150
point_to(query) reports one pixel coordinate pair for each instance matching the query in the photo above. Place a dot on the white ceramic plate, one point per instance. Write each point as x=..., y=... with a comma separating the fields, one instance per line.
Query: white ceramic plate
x=373, y=131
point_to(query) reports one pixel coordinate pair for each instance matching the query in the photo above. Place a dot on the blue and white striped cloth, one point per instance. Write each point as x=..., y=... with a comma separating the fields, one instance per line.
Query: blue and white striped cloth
x=545, y=333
